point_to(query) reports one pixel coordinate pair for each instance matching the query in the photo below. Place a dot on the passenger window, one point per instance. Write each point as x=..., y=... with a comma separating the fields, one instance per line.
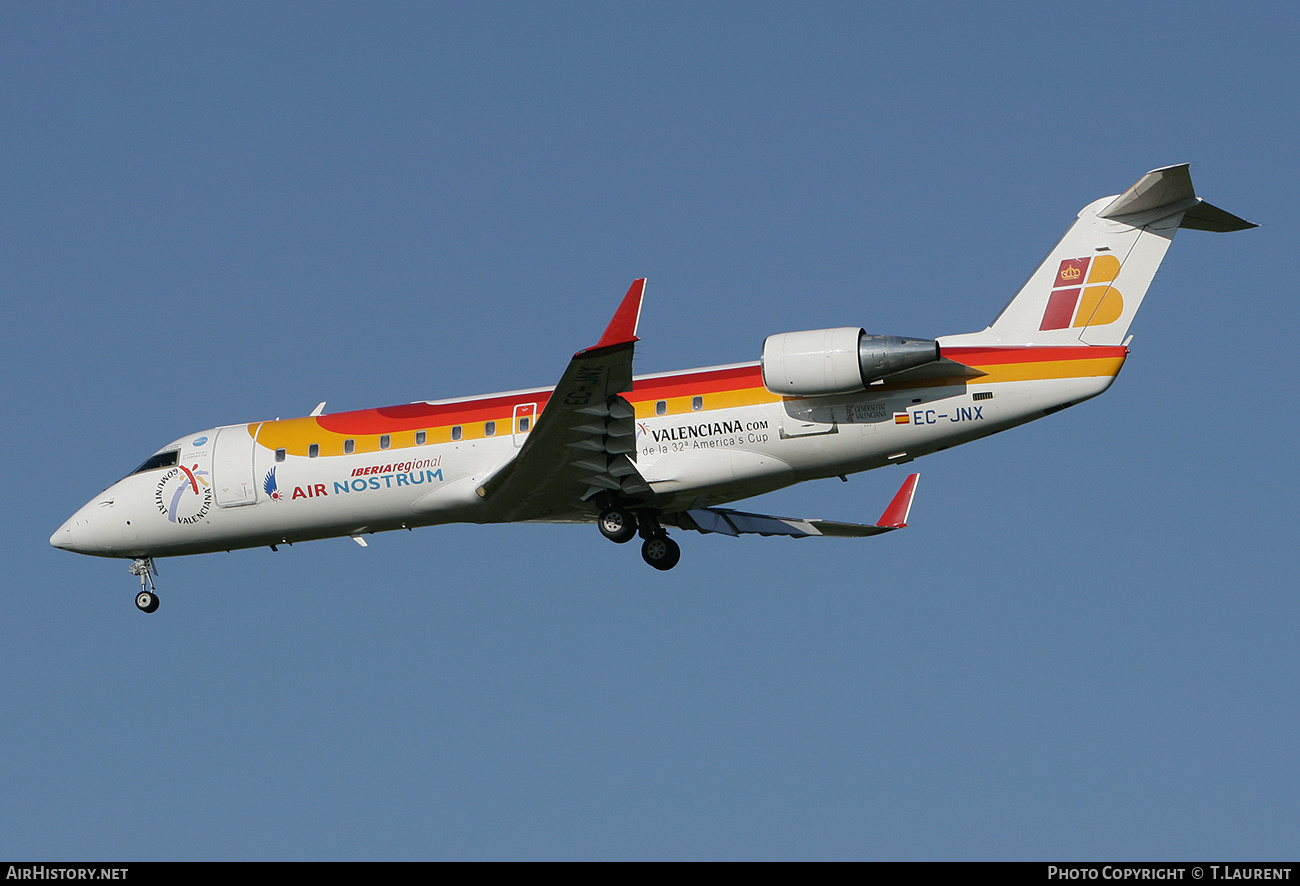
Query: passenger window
x=456, y=432
x=489, y=429
x=661, y=408
x=420, y=437
x=313, y=450
x=523, y=424
x=385, y=441
x=349, y=446
x=279, y=455
x=697, y=403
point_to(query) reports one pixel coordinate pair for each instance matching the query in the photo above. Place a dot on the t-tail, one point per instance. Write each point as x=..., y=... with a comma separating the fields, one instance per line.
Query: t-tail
x=1092, y=283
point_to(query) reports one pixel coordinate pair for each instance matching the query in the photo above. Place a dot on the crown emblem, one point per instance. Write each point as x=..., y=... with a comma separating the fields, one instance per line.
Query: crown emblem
x=1071, y=273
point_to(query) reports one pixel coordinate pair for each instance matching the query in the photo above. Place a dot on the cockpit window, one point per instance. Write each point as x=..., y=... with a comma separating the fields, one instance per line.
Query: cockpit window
x=161, y=460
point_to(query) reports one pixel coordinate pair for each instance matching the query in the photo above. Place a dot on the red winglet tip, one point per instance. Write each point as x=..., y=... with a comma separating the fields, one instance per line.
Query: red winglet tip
x=895, y=516
x=622, y=328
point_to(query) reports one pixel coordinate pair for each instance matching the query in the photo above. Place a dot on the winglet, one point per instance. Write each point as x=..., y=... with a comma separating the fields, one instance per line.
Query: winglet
x=622, y=327
x=895, y=516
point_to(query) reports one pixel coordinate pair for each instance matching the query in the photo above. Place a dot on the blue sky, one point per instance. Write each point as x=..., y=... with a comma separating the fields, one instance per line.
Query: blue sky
x=1084, y=647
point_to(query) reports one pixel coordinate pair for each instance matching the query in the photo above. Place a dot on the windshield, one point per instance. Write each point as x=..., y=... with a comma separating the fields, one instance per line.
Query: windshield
x=161, y=460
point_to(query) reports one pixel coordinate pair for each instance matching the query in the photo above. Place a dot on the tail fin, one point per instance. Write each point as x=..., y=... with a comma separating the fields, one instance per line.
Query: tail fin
x=1092, y=283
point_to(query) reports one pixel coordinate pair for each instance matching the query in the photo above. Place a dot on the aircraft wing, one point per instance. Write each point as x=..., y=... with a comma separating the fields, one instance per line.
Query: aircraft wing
x=729, y=522
x=584, y=441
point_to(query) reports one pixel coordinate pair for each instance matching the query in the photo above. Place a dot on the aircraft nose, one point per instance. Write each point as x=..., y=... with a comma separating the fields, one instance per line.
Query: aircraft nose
x=80, y=533
x=62, y=537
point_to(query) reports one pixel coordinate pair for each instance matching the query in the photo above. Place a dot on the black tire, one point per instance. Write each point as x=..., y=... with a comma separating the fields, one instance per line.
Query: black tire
x=146, y=601
x=661, y=552
x=617, y=525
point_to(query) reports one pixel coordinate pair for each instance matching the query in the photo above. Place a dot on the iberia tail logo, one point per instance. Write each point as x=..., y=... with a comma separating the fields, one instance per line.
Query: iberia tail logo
x=1082, y=294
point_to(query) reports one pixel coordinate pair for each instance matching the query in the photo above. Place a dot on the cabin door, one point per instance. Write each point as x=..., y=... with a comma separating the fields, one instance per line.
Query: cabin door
x=232, y=467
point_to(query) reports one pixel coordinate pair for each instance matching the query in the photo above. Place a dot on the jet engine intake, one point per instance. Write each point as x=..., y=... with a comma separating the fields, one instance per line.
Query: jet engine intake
x=820, y=362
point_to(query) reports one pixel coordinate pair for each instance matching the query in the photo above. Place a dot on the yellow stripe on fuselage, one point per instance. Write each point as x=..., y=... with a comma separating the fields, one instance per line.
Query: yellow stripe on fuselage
x=296, y=435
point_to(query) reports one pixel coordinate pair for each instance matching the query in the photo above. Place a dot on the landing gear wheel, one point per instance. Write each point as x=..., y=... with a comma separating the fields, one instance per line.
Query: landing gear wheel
x=661, y=552
x=617, y=525
x=146, y=600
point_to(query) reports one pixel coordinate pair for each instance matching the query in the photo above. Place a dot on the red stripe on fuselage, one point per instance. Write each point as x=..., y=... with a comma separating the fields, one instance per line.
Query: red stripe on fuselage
x=707, y=382
x=989, y=356
x=415, y=416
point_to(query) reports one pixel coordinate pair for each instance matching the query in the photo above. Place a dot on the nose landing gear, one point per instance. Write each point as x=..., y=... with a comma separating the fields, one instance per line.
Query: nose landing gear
x=147, y=599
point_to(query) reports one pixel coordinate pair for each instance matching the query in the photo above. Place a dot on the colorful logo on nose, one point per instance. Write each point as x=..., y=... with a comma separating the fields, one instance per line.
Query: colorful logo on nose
x=1077, y=303
x=183, y=494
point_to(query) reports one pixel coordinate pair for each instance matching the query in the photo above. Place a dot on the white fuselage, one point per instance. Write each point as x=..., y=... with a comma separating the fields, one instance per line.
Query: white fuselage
x=270, y=483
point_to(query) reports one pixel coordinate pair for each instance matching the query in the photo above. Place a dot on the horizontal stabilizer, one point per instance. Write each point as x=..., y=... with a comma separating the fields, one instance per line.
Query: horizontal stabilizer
x=734, y=523
x=1162, y=188
x=1169, y=190
x=1208, y=217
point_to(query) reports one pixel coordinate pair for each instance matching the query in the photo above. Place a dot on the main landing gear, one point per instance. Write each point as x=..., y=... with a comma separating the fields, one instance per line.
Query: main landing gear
x=147, y=599
x=660, y=551
x=620, y=525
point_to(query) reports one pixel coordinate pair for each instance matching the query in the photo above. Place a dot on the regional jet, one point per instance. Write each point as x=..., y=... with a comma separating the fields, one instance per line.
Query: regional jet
x=638, y=455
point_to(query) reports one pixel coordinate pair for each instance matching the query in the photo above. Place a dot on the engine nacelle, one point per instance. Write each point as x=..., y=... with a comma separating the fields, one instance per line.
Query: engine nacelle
x=820, y=362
